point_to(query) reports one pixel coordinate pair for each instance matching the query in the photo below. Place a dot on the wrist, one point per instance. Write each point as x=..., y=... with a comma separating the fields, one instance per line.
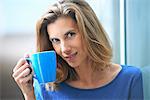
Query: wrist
x=29, y=96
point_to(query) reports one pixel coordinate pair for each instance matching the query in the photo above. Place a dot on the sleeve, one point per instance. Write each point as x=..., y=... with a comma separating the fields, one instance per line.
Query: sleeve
x=37, y=90
x=136, y=92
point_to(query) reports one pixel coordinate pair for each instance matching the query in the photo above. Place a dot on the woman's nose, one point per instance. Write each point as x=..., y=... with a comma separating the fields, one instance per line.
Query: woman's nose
x=65, y=48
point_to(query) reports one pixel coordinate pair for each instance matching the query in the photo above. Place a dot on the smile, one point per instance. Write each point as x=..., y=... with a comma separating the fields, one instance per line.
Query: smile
x=71, y=57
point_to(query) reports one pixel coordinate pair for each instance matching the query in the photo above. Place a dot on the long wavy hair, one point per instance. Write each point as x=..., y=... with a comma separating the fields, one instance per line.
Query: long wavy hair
x=95, y=38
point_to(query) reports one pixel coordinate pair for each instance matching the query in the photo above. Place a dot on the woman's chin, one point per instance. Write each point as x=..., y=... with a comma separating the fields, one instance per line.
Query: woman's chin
x=73, y=65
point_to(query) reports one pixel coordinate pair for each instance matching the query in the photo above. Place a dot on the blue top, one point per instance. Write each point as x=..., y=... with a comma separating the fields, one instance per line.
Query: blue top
x=126, y=86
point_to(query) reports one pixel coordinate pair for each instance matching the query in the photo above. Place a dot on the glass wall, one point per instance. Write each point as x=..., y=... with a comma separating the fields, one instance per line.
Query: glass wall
x=138, y=38
x=138, y=32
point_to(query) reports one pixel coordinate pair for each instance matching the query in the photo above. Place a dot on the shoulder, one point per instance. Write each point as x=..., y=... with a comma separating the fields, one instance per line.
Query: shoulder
x=130, y=75
x=131, y=70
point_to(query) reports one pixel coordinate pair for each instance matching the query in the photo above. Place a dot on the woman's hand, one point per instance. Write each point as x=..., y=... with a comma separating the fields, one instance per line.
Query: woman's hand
x=22, y=74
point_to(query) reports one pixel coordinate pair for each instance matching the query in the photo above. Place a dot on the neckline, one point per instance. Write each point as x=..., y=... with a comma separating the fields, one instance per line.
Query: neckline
x=104, y=86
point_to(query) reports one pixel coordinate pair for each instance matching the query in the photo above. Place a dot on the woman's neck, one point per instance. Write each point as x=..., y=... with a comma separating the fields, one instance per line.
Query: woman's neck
x=87, y=75
x=93, y=79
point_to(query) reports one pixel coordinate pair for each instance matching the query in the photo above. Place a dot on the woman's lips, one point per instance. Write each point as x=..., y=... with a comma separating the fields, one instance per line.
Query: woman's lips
x=71, y=57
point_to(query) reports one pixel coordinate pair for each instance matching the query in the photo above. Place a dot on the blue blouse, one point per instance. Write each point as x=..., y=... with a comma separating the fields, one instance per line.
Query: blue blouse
x=127, y=85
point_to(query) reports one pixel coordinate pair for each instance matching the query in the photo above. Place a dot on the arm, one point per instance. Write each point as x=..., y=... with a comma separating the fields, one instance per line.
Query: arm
x=30, y=95
x=136, y=92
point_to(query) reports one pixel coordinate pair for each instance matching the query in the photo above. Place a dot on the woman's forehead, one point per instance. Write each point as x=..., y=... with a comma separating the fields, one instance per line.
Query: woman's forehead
x=61, y=26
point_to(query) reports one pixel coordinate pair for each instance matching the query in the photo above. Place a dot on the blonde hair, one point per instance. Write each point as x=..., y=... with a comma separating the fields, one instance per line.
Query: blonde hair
x=95, y=38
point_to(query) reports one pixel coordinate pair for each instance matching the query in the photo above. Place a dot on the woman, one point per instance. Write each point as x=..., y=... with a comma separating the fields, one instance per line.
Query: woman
x=85, y=70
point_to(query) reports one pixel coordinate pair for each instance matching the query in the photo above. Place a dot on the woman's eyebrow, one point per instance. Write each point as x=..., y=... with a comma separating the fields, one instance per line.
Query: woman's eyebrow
x=65, y=34
x=72, y=30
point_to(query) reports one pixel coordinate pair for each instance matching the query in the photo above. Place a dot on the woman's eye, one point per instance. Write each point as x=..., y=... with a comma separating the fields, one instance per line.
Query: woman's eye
x=71, y=34
x=55, y=40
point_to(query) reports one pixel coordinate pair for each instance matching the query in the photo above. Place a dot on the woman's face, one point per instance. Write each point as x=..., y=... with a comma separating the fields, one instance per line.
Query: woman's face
x=67, y=42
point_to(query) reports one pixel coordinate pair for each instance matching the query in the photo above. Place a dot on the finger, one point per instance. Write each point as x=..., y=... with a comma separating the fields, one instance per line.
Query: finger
x=20, y=70
x=30, y=69
x=26, y=79
x=21, y=62
x=21, y=76
x=24, y=74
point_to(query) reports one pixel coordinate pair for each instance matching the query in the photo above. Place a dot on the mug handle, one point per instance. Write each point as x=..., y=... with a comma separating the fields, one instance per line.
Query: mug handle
x=29, y=61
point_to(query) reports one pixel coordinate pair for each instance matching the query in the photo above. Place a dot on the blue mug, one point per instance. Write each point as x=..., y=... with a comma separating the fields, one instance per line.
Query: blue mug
x=44, y=65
